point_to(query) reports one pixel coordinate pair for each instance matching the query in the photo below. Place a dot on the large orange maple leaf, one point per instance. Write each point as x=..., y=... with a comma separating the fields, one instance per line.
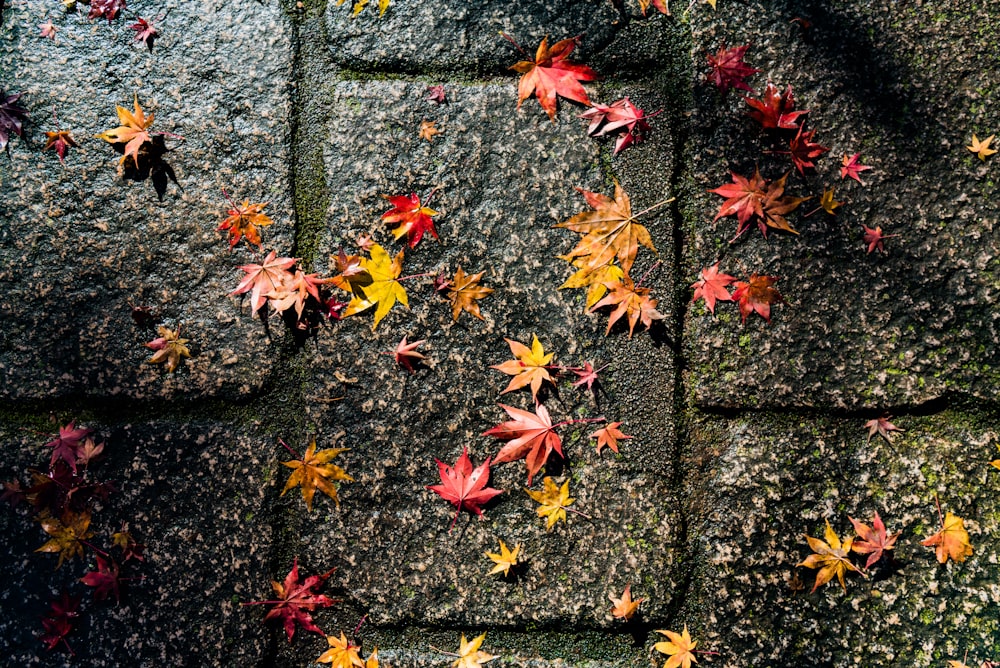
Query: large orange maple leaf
x=529, y=436
x=550, y=74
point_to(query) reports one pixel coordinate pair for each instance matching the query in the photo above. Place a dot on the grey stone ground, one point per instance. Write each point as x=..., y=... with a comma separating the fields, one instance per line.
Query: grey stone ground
x=745, y=437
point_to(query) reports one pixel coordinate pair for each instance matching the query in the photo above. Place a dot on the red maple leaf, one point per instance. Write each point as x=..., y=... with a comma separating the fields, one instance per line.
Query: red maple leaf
x=550, y=74
x=743, y=198
x=874, y=238
x=145, y=31
x=803, y=150
x=882, y=427
x=410, y=218
x=850, y=167
x=59, y=621
x=774, y=109
x=105, y=8
x=874, y=540
x=729, y=70
x=296, y=600
x=406, y=354
x=464, y=486
x=66, y=446
x=711, y=286
x=757, y=295
x=529, y=436
x=104, y=580
x=587, y=375
x=436, y=94
x=619, y=115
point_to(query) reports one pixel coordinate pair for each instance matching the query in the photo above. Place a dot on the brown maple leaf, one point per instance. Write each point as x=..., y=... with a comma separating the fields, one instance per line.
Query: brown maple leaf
x=831, y=557
x=243, y=220
x=428, y=130
x=775, y=110
x=711, y=286
x=609, y=436
x=529, y=436
x=464, y=291
x=624, y=607
x=68, y=533
x=531, y=366
x=631, y=300
x=610, y=231
x=729, y=70
x=551, y=74
x=872, y=540
x=169, y=347
x=295, y=600
x=314, y=471
x=408, y=217
x=775, y=206
x=952, y=541
x=464, y=486
x=757, y=295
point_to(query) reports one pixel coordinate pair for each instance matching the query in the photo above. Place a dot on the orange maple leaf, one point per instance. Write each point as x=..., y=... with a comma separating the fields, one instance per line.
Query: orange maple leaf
x=952, y=541
x=529, y=436
x=133, y=131
x=550, y=74
x=624, y=607
x=609, y=436
x=530, y=367
x=680, y=649
x=757, y=296
x=463, y=291
x=631, y=300
x=314, y=471
x=831, y=558
x=243, y=220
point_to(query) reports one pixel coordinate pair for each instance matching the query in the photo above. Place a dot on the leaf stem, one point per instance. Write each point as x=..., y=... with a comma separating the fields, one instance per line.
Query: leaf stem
x=406, y=278
x=581, y=514
x=579, y=420
x=516, y=46
x=286, y=447
x=358, y=627
x=655, y=206
x=656, y=265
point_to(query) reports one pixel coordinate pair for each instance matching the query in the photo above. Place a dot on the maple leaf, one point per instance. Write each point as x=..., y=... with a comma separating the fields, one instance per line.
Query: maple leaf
x=67, y=533
x=88, y=452
x=610, y=231
x=406, y=354
x=361, y=4
x=263, y=279
x=341, y=654
x=169, y=347
x=58, y=623
x=428, y=130
x=757, y=295
x=408, y=217
x=464, y=486
x=66, y=445
x=981, y=148
x=469, y=655
x=145, y=31
x=104, y=580
x=108, y=9
x=463, y=291
x=530, y=436
x=804, y=150
x=850, y=167
x=587, y=375
x=774, y=109
x=874, y=238
x=595, y=280
x=351, y=273
x=680, y=648
x=554, y=500
x=49, y=30
x=882, y=427
x=996, y=462
x=383, y=289
x=830, y=557
x=530, y=368
x=436, y=94
x=711, y=286
x=826, y=203
x=952, y=541
x=59, y=141
x=748, y=199
x=624, y=607
x=729, y=70
x=243, y=220
x=551, y=74
x=12, y=117
x=631, y=300
x=295, y=290
x=872, y=540
x=660, y=5
x=314, y=471
x=609, y=436
x=296, y=600
x=133, y=131
x=131, y=549
x=619, y=115
x=505, y=560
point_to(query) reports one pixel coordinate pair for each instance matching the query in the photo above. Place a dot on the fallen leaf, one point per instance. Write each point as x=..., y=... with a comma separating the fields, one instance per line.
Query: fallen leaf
x=408, y=217
x=624, y=607
x=529, y=368
x=587, y=375
x=775, y=110
x=827, y=203
x=755, y=199
x=383, y=290
x=59, y=621
x=108, y=9
x=981, y=148
x=952, y=541
x=169, y=347
x=619, y=116
x=551, y=74
x=464, y=486
x=12, y=117
x=728, y=69
x=243, y=220
x=629, y=300
x=505, y=560
x=49, y=30
x=680, y=649
x=66, y=446
x=554, y=501
x=68, y=533
x=105, y=580
x=88, y=452
x=314, y=471
x=406, y=354
x=428, y=130
x=595, y=280
x=996, y=462
x=464, y=291
x=359, y=6
x=660, y=5
x=830, y=557
x=145, y=31
x=469, y=654
x=59, y=141
x=711, y=286
x=757, y=295
x=882, y=427
x=872, y=540
x=436, y=94
x=874, y=238
x=295, y=600
x=850, y=167
x=341, y=654
x=804, y=150
x=529, y=436
x=295, y=290
x=133, y=131
x=609, y=436
x=263, y=279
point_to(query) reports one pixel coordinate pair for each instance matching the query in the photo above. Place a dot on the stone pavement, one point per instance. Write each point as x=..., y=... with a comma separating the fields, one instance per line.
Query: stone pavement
x=745, y=437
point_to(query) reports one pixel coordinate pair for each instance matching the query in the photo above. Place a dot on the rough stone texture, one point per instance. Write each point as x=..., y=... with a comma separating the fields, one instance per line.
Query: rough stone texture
x=900, y=86
x=767, y=481
x=198, y=496
x=79, y=243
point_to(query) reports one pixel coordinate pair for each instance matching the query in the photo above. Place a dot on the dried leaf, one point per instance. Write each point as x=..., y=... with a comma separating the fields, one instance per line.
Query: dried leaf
x=872, y=540
x=105, y=580
x=952, y=541
x=624, y=607
x=609, y=436
x=341, y=654
x=529, y=368
x=383, y=290
x=314, y=471
x=169, y=347
x=529, y=436
x=505, y=560
x=551, y=74
x=775, y=110
x=295, y=600
x=428, y=130
x=68, y=534
x=469, y=654
x=757, y=296
x=874, y=238
x=133, y=131
x=12, y=117
x=631, y=300
x=981, y=148
x=830, y=557
x=464, y=291
x=554, y=501
x=243, y=220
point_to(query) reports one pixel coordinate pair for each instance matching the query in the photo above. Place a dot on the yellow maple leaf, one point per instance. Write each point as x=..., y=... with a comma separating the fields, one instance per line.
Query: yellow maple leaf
x=361, y=4
x=169, y=347
x=505, y=560
x=554, y=501
x=383, y=290
x=711, y=2
x=67, y=533
x=530, y=367
x=314, y=471
x=469, y=654
x=680, y=648
x=133, y=131
x=981, y=148
x=341, y=654
x=830, y=557
x=952, y=541
x=624, y=607
x=595, y=280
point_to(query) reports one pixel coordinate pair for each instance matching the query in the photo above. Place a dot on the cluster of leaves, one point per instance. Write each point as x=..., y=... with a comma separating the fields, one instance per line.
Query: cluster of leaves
x=755, y=295
x=145, y=29
x=62, y=499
